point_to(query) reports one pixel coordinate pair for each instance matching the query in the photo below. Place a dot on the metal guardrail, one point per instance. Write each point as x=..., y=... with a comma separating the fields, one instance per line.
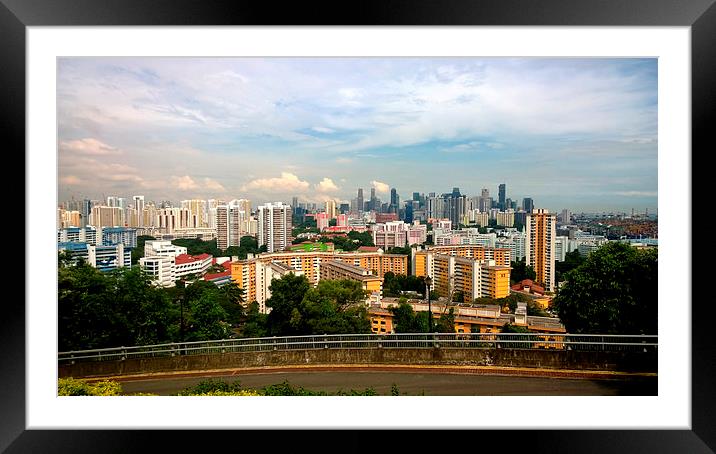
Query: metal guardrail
x=581, y=342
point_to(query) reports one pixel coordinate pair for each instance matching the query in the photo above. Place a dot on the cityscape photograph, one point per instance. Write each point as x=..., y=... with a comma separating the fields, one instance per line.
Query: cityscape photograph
x=366, y=226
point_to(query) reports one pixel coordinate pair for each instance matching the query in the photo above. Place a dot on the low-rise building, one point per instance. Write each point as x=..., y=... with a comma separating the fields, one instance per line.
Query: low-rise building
x=162, y=249
x=161, y=269
x=371, y=284
x=104, y=258
x=469, y=318
x=185, y=264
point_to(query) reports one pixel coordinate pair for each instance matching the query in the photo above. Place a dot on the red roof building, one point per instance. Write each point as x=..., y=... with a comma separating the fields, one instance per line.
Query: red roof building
x=528, y=286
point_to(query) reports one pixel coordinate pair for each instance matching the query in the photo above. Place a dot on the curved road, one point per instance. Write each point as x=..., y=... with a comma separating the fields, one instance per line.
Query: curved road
x=429, y=382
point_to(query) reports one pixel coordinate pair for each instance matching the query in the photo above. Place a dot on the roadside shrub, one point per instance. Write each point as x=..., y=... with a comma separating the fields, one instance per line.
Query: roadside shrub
x=74, y=387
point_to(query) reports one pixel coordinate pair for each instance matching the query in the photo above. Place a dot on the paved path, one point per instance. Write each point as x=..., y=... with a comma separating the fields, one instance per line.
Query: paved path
x=417, y=381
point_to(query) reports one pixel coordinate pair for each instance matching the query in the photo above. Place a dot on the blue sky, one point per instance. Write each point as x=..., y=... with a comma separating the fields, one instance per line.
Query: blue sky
x=570, y=133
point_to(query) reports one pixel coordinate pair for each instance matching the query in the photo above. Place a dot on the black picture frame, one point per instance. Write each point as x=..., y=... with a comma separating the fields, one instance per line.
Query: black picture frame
x=700, y=15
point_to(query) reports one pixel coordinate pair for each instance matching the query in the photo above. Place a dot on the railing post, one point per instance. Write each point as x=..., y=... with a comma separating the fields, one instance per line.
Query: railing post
x=275, y=347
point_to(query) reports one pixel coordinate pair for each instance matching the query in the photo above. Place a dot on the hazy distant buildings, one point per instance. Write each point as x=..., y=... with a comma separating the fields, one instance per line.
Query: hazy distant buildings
x=528, y=205
x=331, y=209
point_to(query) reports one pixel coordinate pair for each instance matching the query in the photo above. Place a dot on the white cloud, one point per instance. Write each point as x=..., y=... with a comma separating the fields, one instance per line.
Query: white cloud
x=213, y=185
x=287, y=182
x=323, y=130
x=326, y=185
x=87, y=146
x=184, y=183
x=380, y=186
x=637, y=193
x=474, y=146
x=70, y=180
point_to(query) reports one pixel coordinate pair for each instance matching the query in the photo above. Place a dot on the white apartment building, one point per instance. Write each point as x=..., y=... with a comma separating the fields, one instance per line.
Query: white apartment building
x=274, y=226
x=185, y=264
x=87, y=234
x=161, y=269
x=162, y=249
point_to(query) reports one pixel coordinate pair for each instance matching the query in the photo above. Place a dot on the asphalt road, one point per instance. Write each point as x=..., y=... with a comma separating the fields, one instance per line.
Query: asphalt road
x=415, y=383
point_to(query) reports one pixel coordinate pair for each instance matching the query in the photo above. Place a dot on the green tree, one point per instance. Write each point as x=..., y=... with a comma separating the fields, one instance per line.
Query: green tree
x=232, y=300
x=138, y=252
x=571, y=261
x=255, y=323
x=510, y=328
x=405, y=320
x=520, y=271
x=206, y=319
x=334, y=307
x=286, y=296
x=120, y=308
x=446, y=322
x=613, y=292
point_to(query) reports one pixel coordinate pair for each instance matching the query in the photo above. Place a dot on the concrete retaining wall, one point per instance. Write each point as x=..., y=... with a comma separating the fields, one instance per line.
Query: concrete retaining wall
x=547, y=359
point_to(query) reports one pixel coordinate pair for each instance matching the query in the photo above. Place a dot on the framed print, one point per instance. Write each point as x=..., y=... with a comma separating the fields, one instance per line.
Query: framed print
x=42, y=39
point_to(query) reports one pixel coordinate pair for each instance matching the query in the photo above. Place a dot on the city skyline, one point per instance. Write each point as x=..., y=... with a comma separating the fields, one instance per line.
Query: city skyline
x=568, y=133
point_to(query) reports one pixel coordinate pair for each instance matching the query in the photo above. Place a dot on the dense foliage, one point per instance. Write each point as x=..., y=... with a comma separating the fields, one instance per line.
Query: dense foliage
x=247, y=244
x=520, y=271
x=394, y=284
x=332, y=307
x=571, y=261
x=97, y=310
x=123, y=308
x=352, y=241
x=613, y=292
x=222, y=388
x=73, y=387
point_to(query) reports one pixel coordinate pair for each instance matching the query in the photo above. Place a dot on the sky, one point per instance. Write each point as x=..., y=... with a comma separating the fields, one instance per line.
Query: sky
x=570, y=133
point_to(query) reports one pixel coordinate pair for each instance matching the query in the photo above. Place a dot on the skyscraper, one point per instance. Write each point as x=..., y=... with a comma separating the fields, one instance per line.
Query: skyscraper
x=455, y=204
x=274, y=229
x=528, y=205
x=394, y=201
x=359, y=200
x=541, y=228
x=485, y=201
x=294, y=204
x=374, y=204
x=331, y=210
x=501, y=196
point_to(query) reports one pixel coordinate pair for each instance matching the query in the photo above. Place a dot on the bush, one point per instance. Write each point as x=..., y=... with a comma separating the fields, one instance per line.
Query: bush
x=73, y=387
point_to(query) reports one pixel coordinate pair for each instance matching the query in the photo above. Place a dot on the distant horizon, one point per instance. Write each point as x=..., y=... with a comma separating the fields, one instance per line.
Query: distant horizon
x=570, y=133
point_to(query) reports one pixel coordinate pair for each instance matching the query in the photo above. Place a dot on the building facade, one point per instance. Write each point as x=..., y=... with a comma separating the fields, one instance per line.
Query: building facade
x=541, y=229
x=274, y=226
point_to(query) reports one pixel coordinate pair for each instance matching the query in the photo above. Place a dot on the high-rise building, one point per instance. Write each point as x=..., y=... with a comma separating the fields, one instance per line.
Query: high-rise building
x=331, y=210
x=455, y=205
x=501, y=197
x=394, y=201
x=485, y=201
x=274, y=226
x=528, y=204
x=139, y=208
x=359, y=201
x=565, y=217
x=374, y=203
x=540, y=251
x=197, y=208
x=106, y=216
x=232, y=222
x=294, y=204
